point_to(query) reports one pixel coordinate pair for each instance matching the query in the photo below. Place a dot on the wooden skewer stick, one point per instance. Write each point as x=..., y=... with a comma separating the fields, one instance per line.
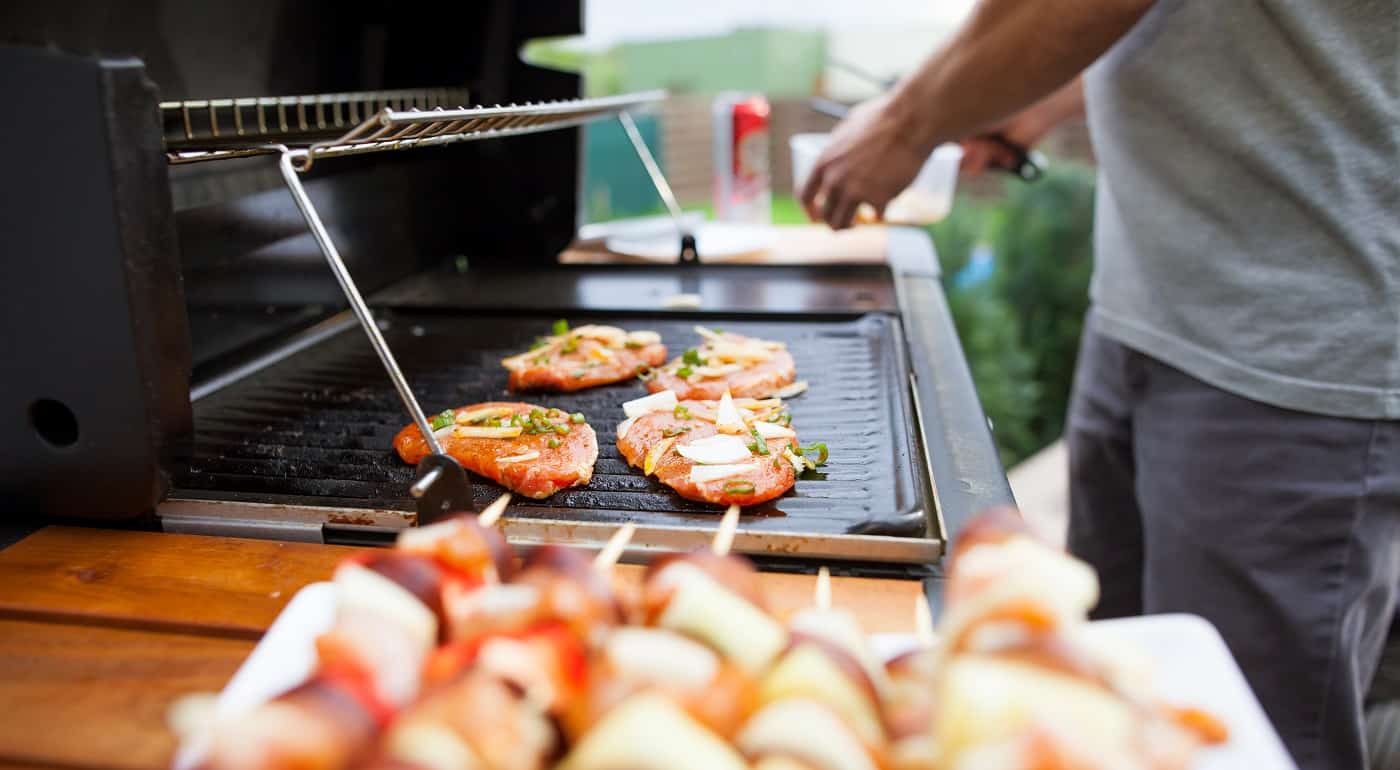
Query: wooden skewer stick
x=724, y=536
x=611, y=552
x=923, y=622
x=823, y=589
x=492, y=513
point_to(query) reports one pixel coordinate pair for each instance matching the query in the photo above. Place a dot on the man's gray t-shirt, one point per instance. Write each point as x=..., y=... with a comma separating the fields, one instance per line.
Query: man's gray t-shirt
x=1248, y=223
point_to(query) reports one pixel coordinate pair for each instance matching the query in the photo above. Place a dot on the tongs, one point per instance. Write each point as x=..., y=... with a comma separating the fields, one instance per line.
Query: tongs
x=688, y=253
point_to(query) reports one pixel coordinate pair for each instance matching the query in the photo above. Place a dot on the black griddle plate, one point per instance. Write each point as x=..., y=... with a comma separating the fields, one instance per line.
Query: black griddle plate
x=316, y=428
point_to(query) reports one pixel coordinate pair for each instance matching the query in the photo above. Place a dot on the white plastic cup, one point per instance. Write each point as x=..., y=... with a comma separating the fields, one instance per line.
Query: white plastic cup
x=926, y=200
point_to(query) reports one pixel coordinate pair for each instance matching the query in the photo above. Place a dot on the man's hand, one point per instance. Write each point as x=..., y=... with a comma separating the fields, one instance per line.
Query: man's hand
x=873, y=155
x=1026, y=129
x=982, y=152
x=1009, y=55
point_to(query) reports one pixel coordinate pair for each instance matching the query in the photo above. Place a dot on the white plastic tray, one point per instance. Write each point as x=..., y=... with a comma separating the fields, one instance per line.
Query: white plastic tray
x=1192, y=666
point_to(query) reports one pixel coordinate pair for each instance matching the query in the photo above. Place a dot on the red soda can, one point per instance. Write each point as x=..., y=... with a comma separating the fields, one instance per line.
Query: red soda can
x=743, y=184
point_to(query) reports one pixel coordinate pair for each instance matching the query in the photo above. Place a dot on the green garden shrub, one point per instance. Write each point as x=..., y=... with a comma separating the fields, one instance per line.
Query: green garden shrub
x=1020, y=325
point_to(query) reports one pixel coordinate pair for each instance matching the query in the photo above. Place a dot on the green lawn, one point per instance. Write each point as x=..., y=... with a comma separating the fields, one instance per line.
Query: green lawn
x=786, y=210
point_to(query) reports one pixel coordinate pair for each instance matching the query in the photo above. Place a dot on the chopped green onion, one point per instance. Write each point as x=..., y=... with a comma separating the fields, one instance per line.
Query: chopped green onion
x=738, y=488
x=633, y=345
x=684, y=372
x=561, y=429
x=536, y=415
x=819, y=448
x=681, y=412
x=554, y=443
x=541, y=359
x=539, y=343
x=553, y=413
x=777, y=463
x=759, y=444
x=692, y=357
x=570, y=345
x=443, y=420
x=515, y=421
x=676, y=431
x=577, y=418
x=578, y=375
x=561, y=327
x=494, y=422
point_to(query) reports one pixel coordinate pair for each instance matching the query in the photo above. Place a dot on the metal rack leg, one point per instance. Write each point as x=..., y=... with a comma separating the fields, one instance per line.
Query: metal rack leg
x=442, y=485
x=663, y=187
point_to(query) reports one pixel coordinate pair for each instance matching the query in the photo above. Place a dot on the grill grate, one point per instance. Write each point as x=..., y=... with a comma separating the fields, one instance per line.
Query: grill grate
x=316, y=428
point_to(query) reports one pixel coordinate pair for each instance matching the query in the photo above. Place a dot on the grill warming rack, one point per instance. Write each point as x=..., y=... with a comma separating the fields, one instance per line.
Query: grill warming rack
x=400, y=124
x=249, y=125
x=441, y=484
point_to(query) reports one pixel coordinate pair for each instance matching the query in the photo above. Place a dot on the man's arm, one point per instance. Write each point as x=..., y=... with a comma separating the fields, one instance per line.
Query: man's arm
x=1009, y=55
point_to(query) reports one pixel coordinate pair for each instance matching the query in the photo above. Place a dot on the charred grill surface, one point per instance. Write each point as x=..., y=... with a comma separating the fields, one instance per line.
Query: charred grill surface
x=317, y=427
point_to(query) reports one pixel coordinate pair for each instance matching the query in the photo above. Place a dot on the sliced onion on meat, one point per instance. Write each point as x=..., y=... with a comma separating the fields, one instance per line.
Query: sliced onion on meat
x=719, y=449
x=749, y=352
x=654, y=455
x=644, y=338
x=523, y=457
x=664, y=401
x=608, y=335
x=717, y=371
x=484, y=413
x=758, y=404
x=795, y=389
x=727, y=417
x=707, y=333
x=625, y=426
x=481, y=431
x=773, y=430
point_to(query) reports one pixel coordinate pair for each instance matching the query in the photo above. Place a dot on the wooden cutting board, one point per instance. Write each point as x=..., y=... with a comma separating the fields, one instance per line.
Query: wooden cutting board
x=101, y=630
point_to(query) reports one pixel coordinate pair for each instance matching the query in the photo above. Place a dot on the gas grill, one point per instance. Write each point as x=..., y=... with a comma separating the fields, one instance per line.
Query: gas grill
x=232, y=391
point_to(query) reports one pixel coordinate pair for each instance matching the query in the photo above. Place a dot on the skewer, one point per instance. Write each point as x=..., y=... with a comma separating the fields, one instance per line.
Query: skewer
x=611, y=552
x=724, y=536
x=823, y=589
x=492, y=513
x=923, y=622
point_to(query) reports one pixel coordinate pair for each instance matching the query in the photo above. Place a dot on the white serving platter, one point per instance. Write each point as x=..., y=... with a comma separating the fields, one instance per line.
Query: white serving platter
x=713, y=240
x=1191, y=666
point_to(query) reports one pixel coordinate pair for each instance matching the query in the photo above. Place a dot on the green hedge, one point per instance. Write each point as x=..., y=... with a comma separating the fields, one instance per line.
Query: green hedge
x=1020, y=327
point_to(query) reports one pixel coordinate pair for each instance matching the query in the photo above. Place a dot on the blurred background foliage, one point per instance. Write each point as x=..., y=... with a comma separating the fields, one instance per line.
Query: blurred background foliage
x=1016, y=267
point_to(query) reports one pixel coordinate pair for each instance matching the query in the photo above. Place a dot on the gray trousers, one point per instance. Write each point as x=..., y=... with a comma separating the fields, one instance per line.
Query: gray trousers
x=1281, y=528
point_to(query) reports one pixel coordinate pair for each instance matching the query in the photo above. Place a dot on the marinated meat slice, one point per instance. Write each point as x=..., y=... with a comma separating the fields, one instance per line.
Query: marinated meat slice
x=584, y=358
x=757, y=478
x=745, y=366
x=523, y=447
